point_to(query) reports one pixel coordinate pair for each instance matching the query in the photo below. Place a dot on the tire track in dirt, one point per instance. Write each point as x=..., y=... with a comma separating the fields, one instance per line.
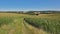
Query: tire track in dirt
x=11, y=31
x=29, y=29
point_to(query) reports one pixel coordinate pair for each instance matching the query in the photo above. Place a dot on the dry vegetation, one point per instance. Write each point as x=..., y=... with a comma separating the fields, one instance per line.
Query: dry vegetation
x=14, y=24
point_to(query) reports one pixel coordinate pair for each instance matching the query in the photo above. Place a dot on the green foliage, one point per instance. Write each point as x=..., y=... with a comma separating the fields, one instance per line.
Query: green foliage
x=50, y=25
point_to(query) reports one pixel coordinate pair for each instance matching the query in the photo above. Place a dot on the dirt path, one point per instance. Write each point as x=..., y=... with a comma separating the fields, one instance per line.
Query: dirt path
x=29, y=29
x=11, y=31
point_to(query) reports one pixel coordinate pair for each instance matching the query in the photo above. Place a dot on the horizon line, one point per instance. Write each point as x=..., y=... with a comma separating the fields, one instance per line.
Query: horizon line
x=29, y=9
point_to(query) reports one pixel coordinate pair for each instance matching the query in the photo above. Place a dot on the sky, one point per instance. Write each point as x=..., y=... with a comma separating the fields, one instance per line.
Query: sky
x=17, y=5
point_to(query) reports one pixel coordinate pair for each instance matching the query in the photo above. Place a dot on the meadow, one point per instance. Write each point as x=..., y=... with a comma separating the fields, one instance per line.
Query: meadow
x=12, y=23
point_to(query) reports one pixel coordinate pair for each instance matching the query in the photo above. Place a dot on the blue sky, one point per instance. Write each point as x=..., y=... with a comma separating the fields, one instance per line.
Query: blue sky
x=29, y=4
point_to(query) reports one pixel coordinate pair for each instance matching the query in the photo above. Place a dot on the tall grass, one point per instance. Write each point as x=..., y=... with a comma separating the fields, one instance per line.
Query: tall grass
x=49, y=25
x=5, y=20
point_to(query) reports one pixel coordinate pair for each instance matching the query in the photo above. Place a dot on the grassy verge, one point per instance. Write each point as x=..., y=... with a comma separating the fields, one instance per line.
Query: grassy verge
x=50, y=25
x=5, y=20
x=11, y=23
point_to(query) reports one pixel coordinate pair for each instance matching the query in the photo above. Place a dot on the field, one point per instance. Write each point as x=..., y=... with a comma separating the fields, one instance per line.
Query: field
x=12, y=23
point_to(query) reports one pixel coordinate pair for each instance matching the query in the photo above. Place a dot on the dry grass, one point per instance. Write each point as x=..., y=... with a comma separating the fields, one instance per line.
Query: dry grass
x=16, y=27
x=29, y=29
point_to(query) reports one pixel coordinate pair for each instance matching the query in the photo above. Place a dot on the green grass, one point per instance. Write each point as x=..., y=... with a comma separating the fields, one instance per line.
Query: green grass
x=13, y=23
x=49, y=25
x=5, y=20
